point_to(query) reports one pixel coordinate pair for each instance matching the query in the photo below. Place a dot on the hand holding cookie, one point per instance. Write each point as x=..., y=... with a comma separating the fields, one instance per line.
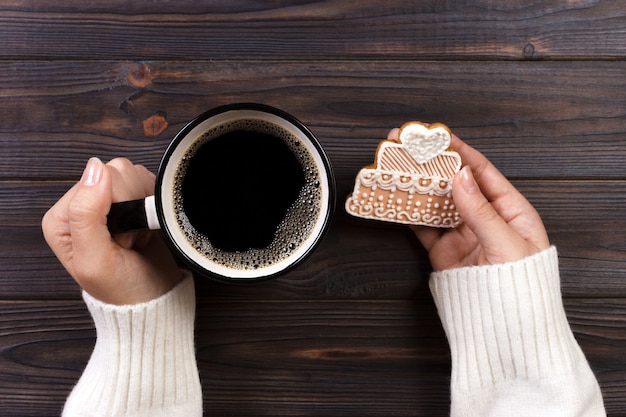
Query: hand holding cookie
x=499, y=224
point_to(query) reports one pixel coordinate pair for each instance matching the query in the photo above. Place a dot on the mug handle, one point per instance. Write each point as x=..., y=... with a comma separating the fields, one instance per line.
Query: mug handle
x=127, y=216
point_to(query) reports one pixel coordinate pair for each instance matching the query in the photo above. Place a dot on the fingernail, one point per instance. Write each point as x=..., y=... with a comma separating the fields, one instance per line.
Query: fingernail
x=467, y=180
x=93, y=172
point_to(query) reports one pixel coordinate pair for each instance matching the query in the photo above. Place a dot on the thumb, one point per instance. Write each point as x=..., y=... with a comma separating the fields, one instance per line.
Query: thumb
x=87, y=213
x=500, y=243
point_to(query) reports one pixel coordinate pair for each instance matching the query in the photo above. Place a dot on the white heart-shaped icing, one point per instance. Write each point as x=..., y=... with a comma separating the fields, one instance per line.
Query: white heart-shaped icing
x=423, y=143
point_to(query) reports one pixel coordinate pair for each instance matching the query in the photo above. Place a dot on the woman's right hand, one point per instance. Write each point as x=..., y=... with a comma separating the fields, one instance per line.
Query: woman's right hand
x=499, y=224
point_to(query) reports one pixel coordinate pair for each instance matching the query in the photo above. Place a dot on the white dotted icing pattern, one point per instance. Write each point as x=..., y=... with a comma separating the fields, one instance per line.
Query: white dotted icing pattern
x=292, y=232
x=393, y=181
x=411, y=182
x=408, y=199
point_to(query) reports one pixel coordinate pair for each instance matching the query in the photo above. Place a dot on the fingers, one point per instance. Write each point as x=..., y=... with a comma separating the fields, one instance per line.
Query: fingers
x=500, y=242
x=492, y=184
x=56, y=230
x=130, y=181
x=505, y=199
x=76, y=230
x=496, y=216
x=86, y=214
x=490, y=180
x=393, y=134
x=78, y=220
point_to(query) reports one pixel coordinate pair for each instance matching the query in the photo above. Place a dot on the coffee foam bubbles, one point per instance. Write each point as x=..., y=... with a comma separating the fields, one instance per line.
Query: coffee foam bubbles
x=298, y=223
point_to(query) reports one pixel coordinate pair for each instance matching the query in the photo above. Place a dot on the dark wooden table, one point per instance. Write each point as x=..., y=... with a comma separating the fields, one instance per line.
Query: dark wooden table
x=538, y=86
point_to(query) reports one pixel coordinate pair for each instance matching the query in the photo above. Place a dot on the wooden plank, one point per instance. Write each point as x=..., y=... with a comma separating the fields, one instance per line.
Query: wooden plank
x=395, y=29
x=333, y=358
x=599, y=328
x=288, y=357
x=337, y=269
x=537, y=86
x=534, y=120
x=44, y=347
x=357, y=259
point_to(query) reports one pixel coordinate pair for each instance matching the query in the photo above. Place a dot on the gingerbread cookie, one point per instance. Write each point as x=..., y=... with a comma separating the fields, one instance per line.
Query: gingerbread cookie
x=411, y=179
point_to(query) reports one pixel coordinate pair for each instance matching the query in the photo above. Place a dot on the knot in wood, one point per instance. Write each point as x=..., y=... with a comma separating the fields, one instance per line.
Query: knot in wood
x=154, y=125
x=139, y=75
x=529, y=51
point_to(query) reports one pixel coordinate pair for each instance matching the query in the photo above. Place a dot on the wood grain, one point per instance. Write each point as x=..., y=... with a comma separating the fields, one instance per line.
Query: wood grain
x=538, y=86
x=286, y=357
x=533, y=120
x=395, y=29
x=358, y=259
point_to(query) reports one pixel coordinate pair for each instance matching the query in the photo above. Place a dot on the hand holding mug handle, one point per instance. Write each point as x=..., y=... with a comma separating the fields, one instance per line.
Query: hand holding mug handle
x=125, y=269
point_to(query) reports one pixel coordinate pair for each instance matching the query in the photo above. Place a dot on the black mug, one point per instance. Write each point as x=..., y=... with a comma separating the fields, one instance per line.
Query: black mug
x=244, y=192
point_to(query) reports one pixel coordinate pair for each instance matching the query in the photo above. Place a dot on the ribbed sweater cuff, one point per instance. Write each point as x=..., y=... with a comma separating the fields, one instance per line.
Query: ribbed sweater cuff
x=143, y=363
x=505, y=321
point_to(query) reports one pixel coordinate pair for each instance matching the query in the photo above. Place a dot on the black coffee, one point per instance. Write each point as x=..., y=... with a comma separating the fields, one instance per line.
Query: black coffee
x=238, y=188
x=247, y=194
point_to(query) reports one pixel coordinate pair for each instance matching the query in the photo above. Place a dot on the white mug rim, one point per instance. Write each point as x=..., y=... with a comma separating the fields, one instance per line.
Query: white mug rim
x=178, y=148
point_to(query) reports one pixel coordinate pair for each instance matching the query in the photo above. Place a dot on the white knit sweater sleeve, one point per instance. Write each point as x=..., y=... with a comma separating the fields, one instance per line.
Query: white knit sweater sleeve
x=144, y=362
x=513, y=352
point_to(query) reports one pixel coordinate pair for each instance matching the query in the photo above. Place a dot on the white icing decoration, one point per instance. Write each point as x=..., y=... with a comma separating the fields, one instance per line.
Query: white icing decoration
x=411, y=181
x=410, y=184
x=392, y=181
x=423, y=143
